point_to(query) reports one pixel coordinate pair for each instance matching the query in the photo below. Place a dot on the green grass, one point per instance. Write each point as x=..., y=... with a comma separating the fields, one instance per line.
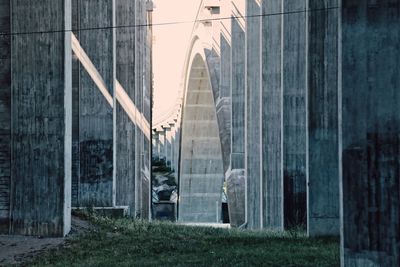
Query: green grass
x=126, y=242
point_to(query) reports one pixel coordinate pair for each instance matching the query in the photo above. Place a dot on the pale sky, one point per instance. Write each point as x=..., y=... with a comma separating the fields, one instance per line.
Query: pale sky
x=170, y=45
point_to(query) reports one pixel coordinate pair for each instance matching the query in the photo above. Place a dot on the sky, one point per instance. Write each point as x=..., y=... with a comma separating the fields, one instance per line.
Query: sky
x=170, y=45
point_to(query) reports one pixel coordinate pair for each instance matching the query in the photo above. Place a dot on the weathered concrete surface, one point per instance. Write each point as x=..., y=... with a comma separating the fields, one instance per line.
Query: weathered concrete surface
x=201, y=167
x=272, y=97
x=236, y=197
x=253, y=116
x=5, y=118
x=294, y=112
x=41, y=123
x=237, y=95
x=370, y=132
x=323, y=163
x=76, y=66
x=96, y=115
x=223, y=104
x=125, y=129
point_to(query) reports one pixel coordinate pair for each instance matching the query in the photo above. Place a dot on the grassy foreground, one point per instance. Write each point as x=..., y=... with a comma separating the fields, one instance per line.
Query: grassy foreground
x=125, y=242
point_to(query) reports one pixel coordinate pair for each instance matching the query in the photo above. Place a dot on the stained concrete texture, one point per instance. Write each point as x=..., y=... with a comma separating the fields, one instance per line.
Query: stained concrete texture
x=323, y=160
x=370, y=132
x=61, y=127
x=5, y=118
x=41, y=119
x=95, y=114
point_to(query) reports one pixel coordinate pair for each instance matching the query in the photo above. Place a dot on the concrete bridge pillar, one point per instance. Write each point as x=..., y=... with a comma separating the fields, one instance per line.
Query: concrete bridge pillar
x=173, y=144
x=156, y=145
x=5, y=118
x=300, y=122
x=236, y=176
x=125, y=129
x=96, y=118
x=35, y=146
x=168, y=145
x=369, y=110
x=272, y=112
x=322, y=107
x=253, y=155
x=161, y=137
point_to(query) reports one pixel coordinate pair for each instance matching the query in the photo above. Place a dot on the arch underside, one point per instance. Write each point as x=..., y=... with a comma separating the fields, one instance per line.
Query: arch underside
x=201, y=166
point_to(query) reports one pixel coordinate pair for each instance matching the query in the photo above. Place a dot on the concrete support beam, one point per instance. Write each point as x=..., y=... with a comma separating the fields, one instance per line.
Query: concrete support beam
x=253, y=105
x=96, y=136
x=5, y=118
x=369, y=84
x=41, y=123
x=272, y=112
x=323, y=160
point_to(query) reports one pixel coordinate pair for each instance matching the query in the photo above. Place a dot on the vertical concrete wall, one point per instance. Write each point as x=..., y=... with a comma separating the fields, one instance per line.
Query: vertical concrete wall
x=370, y=90
x=323, y=163
x=41, y=123
x=125, y=128
x=5, y=118
x=253, y=107
x=96, y=115
x=294, y=111
x=272, y=115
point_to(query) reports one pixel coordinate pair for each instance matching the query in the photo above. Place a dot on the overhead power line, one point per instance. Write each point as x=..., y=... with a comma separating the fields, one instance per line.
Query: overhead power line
x=173, y=23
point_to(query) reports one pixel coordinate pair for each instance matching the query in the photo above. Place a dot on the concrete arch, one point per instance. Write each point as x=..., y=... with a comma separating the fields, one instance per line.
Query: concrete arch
x=201, y=169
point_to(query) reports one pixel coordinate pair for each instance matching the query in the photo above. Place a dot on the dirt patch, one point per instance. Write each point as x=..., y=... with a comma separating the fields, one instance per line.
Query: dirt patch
x=15, y=250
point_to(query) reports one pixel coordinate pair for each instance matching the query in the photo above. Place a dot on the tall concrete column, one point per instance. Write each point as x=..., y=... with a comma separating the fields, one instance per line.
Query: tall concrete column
x=237, y=94
x=139, y=77
x=369, y=84
x=223, y=104
x=41, y=124
x=236, y=174
x=272, y=115
x=323, y=163
x=294, y=111
x=125, y=128
x=96, y=114
x=5, y=118
x=253, y=159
